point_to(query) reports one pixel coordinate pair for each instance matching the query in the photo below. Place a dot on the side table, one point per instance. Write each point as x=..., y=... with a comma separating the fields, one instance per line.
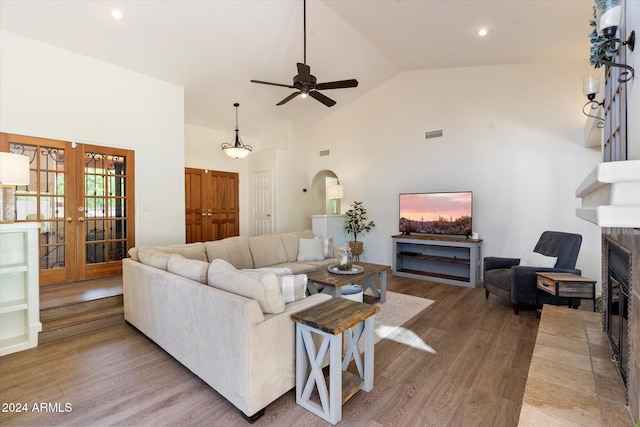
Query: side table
x=567, y=285
x=330, y=320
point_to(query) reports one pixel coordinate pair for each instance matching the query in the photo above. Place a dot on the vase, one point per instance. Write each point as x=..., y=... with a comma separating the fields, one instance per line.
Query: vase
x=356, y=249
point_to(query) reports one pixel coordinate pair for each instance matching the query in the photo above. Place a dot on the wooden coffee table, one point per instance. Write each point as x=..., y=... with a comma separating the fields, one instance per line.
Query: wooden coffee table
x=332, y=282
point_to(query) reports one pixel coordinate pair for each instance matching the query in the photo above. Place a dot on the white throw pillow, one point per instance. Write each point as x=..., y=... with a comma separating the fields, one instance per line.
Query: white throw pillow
x=310, y=250
x=293, y=287
x=535, y=259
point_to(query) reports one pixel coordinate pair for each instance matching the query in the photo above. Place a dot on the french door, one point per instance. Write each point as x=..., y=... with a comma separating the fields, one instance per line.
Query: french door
x=82, y=196
x=212, y=209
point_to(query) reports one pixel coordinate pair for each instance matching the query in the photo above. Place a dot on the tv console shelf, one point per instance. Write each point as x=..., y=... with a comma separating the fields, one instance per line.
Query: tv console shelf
x=450, y=260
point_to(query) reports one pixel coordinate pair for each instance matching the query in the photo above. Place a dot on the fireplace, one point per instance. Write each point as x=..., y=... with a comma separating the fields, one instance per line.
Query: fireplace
x=617, y=296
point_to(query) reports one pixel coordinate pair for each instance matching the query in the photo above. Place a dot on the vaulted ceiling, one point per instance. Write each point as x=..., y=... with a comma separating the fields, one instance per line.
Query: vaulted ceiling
x=215, y=47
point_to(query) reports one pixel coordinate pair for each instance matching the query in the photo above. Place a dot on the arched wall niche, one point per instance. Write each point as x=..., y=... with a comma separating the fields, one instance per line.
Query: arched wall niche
x=321, y=204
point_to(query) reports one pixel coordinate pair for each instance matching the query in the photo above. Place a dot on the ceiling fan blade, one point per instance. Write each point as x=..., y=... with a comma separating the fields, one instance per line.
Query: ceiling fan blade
x=272, y=84
x=289, y=98
x=337, y=85
x=304, y=72
x=322, y=98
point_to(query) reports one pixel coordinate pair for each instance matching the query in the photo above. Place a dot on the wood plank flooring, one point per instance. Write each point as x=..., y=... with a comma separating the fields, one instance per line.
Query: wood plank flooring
x=117, y=376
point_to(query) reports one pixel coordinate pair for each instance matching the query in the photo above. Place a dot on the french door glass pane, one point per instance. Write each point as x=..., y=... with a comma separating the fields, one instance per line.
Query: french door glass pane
x=43, y=200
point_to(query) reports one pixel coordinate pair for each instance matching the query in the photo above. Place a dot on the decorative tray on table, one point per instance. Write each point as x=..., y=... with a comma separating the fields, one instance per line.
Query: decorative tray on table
x=355, y=269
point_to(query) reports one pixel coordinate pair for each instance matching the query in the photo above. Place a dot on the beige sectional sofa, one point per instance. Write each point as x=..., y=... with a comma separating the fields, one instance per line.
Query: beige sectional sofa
x=229, y=326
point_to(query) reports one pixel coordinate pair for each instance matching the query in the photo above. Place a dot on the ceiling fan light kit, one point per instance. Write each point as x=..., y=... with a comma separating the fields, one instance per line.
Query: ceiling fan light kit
x=305, y=83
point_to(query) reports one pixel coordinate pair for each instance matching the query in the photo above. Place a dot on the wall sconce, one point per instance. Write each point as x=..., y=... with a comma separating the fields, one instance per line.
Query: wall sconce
x=335, y=193
x=14, y=170
x=590, y=88
x=237, y=150
x=610, y=13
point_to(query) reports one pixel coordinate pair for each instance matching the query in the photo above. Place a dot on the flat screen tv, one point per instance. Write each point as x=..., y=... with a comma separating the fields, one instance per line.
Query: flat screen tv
x=436, y=213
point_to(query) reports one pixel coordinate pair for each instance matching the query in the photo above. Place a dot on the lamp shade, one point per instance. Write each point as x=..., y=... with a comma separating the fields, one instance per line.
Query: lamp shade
x=590, y=85
x=236, y=152
x=14, y=169
x=335, y=192
x=610, y=13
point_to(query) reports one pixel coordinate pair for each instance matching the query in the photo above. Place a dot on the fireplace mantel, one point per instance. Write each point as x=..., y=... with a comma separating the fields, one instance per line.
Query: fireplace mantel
x=611, y=195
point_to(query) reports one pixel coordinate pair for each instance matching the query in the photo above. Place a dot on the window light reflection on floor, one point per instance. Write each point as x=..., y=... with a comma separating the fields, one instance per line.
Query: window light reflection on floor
x=403, y=336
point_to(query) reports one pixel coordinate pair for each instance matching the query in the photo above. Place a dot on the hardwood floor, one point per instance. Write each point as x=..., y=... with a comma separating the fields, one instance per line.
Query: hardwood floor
x=117, y=376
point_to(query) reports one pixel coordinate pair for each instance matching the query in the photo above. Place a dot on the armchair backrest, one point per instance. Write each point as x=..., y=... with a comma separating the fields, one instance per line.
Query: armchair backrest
x=565, y=246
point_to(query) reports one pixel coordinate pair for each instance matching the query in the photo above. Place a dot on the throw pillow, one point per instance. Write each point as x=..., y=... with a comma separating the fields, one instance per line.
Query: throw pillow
x=327, y=246
x=293, y=287
x=535, y=259
x=310, y=250
x=190, y=268
x=262, y=287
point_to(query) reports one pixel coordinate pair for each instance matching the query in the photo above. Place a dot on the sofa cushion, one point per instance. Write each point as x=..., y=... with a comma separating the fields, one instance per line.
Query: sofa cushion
x=190, y=268
x=232, y=249
x=535, y=259
x=153, y=257
x=310, y=250
x=267, y=250
x=290, y=242
x=293, y=287
x=262, y=287
x=278, y=271
x=190, y=251
x=297, y=267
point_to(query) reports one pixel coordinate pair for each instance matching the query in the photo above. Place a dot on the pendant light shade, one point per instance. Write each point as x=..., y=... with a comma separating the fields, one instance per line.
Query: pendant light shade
x=237, y=150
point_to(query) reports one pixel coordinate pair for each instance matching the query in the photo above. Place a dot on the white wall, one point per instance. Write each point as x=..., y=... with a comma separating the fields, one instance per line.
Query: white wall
x=633, y=87
x=53, y=93
x=512, y=135
x=202, y=151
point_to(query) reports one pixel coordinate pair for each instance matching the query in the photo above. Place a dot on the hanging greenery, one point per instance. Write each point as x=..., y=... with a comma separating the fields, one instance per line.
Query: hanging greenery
x=599, y=45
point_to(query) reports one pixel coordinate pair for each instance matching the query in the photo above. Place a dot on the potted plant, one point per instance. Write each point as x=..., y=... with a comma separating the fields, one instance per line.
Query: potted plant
x=357, y=223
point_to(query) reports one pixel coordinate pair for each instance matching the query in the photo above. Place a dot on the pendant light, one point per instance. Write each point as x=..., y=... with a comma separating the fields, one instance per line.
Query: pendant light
x=237, y=150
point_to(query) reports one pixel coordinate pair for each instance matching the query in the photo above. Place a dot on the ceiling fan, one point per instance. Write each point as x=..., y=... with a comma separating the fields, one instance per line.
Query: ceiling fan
x=305, y=82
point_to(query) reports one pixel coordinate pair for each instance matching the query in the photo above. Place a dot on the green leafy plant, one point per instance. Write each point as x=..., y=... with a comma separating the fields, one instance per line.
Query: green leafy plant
x=357, y=221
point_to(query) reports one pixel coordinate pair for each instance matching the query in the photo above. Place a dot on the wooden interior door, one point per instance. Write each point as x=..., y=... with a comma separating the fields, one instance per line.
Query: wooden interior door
x=224, y=205
x=212, y=209
x=195, y=189
x=82, y=196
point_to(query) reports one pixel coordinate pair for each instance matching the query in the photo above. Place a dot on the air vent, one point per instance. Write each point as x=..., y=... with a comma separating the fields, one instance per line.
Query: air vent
x=433, y=134
x=324, y=153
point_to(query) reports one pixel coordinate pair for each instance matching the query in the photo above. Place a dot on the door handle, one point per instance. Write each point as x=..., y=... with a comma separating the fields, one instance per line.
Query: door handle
x=69, y=219
x=204, y=213
x=81, y=219
x=210, y=214
x=268, y=215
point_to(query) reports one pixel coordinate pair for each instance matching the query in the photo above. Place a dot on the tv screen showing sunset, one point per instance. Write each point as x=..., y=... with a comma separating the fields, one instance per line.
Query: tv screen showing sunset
x=436, y=213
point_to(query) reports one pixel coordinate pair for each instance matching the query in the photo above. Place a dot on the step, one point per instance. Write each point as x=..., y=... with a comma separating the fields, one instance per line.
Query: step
x=80, y=323
x=54, y=313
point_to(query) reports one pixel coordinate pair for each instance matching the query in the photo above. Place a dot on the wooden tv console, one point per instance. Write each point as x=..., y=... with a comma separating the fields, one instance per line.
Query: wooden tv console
x=451, y=260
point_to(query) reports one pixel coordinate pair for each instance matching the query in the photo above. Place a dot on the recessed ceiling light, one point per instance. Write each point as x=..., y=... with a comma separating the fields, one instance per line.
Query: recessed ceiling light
x=482, y=32
x=116, y=13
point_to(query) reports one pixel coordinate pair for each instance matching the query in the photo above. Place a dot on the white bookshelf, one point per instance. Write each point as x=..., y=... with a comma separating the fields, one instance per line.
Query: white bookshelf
x=19, y=287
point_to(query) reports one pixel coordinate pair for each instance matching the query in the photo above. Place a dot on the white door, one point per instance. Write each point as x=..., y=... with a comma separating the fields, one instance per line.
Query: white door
x=262, y=203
